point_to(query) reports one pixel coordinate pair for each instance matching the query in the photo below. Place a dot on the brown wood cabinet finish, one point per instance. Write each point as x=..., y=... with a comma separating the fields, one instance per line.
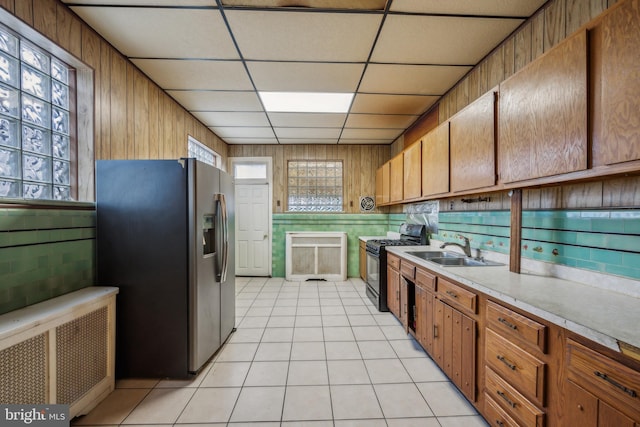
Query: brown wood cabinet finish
x=519, y=368
x=393, y=285
x=457, y=296
x=383, y=195
x=412, y=171
x=396, y=180
x=583, y=409
x=435, y=161
x=512, y=401
x=515, y=326
x=496, y=415
x=472, y=144
x=543, y=115
x=363, y=260
x=615, y=49
x=610, y=381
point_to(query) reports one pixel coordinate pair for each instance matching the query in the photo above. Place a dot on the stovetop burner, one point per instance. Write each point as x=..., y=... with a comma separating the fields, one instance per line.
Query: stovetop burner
x=410, y=235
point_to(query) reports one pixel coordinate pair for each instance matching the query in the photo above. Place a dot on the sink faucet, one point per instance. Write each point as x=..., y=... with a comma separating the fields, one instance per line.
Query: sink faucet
x=466, y=248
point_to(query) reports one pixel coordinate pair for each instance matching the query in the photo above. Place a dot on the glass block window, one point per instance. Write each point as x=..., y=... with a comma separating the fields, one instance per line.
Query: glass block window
x=201, y=152
x=35, y=122
x=314, y=186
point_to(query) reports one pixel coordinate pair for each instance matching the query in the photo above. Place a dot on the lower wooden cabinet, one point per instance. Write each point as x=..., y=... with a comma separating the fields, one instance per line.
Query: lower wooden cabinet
x=393, y=285
x=583, y=409
x=363, y=260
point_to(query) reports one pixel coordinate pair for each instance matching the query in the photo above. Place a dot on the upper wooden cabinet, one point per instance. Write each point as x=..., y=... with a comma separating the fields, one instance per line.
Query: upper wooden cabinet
x=412, y=171
x=543, y=115
x=397, y=178
x=382, y=184
x=472, y=141
x=615, y=49
x=435, y=161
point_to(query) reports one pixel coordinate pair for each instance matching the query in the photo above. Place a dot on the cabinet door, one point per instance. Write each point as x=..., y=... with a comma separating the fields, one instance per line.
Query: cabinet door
x=581, y=408
x=404, y=304
x=382, y=184
x=397, y=178
x=393, y=291
x=447, y=340
x=435, y=161
x=468, y=358
x=610, y=417
x=428, y=316
x=412, y=168
x=543, y=115
x=615, y=49
x=438, y=332
x=472, y=140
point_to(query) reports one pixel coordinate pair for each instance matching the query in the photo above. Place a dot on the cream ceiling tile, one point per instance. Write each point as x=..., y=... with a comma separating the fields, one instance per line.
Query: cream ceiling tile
x=411, y=79
x=380, y=121
x=346, y=141
x=243, y=132
x=466, y=7
x=303, y=36
x=196, y=74
x=319, y=133
x=213, y=100
x=237, y=141
x=386, y=134
x=331, y=120
x=183, y=3
x=392, y=104
x=451, y=40
x=305, y=77
x=324, y=141
x=224, y=118
x=162, y=32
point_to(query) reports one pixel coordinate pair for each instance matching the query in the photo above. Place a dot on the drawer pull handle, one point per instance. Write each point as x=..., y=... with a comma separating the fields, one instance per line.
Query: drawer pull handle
x=506, y=399
x=506, y=362
x=615, y=383
x=452, y=294
x=507, y=324
x=435, y=331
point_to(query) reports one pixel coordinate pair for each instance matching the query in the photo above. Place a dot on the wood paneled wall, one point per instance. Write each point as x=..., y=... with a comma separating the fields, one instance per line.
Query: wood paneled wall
x=359, y=167
x=557, y=20
x=133, y=117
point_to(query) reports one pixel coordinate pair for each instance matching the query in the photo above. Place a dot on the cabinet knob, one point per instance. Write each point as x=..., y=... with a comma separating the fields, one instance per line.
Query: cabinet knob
x=580, y=407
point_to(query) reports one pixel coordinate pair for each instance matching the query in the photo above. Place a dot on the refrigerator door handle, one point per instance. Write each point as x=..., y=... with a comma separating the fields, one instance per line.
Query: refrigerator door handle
x=222, y=275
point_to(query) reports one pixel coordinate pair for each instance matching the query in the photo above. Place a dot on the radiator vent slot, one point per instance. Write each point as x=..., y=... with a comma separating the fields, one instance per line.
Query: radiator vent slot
x=81, y=342
x=24, y=372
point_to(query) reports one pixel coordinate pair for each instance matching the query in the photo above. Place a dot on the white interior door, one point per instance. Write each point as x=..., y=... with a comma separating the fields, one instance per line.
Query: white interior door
x=252, y=230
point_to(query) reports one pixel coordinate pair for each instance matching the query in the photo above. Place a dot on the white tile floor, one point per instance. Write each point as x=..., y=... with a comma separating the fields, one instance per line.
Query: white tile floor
x=314, y=354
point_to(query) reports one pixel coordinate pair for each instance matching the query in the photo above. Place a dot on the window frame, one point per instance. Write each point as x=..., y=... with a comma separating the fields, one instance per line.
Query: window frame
x=342, y=197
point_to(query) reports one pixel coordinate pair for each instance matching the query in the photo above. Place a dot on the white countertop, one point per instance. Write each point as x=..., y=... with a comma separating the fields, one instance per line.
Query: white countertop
x=602, y=315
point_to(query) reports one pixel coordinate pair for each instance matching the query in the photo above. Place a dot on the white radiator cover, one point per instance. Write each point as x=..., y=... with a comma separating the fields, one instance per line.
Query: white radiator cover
x=60, y=351
x=316, y=255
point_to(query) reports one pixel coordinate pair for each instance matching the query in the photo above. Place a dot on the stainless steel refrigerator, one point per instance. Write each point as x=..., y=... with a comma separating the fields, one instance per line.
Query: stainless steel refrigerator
x=165, y=238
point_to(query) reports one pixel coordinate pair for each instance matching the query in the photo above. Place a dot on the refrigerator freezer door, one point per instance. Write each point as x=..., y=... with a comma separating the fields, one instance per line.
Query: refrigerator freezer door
x=222, y=240
x=204, y=289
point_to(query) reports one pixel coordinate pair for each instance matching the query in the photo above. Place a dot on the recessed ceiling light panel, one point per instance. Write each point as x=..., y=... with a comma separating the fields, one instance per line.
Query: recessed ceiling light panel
x=311, y=4
x=306, y=102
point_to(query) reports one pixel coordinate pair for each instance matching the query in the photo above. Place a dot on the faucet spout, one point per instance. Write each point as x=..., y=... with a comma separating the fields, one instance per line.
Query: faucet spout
x=466, y=247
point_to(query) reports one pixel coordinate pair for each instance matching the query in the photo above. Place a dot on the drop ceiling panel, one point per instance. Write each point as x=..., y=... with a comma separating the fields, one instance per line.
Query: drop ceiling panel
x=385, y=134
x=331, y=120
x=323, y=141
x=162, y=32
x=196, y=74
x=306, y=133
x=392, y=104
x=451, y=40
x=212, y=100
x=305, y=76
x=183, y=3
x=243, y=132
x=239, y=141
x=411, y=79
x=224, y=118
x=345, y=141
x=466, y=7
x=304, y=36
x=380, y=121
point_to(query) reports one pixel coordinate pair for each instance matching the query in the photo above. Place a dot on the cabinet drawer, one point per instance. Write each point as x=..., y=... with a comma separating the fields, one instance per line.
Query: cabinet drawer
x=408, y=270
x=608, y=380
x=519, y=368
x=512, y=402
x=393, y=261
x=495, y=415
x=457, y=295
x=513, y=325
x=425, y=280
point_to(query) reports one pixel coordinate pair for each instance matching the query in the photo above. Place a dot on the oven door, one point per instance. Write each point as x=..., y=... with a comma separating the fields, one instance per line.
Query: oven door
x=373, y=272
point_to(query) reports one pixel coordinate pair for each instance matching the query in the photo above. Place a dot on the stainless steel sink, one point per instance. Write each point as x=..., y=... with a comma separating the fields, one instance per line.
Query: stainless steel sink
x=452, y=259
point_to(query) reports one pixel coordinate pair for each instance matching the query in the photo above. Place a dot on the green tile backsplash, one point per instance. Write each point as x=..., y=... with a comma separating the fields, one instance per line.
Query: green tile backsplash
x=44, y=253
